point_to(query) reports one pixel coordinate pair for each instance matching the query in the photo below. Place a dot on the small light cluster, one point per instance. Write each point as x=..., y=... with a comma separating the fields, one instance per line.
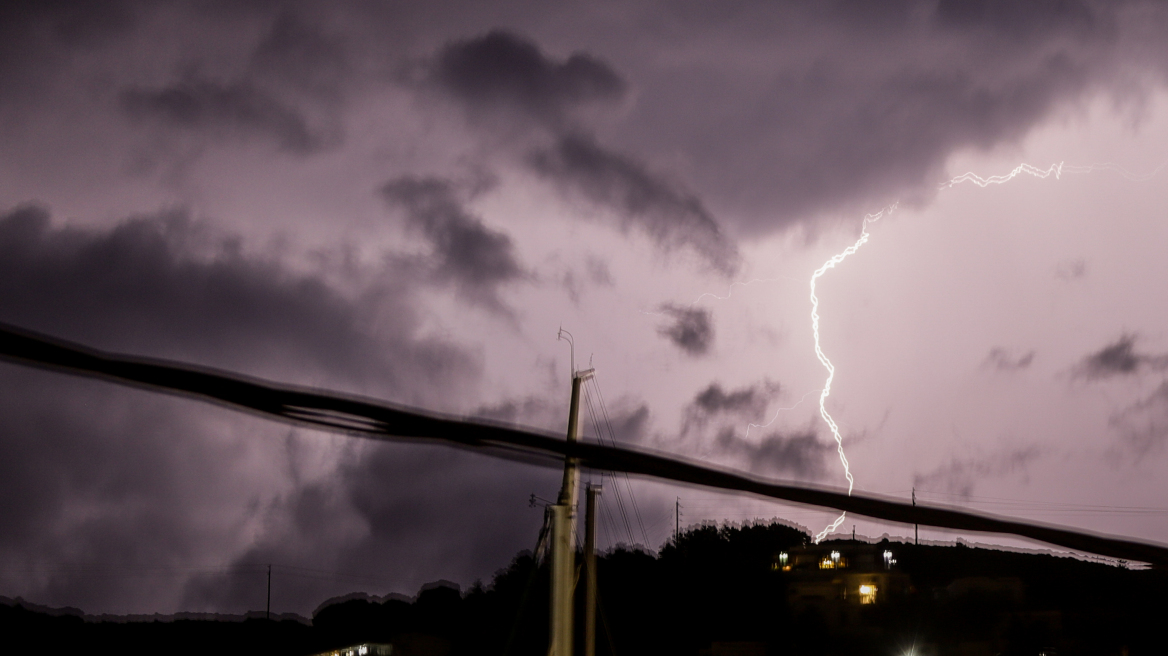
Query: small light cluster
x=889, y=561
x=361, y=650
x=832, y=561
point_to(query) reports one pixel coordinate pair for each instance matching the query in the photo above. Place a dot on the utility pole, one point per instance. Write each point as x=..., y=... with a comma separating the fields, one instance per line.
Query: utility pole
x=916, y=528
x=268, y=612
x=563, y=527
x=677, y=522
x=590, y=571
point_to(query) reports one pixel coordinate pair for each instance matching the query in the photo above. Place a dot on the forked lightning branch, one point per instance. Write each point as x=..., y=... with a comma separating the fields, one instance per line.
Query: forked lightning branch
x=1055, y=170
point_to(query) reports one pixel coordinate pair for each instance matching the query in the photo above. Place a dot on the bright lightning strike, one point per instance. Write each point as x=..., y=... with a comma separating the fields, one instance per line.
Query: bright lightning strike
x=1057, y=170
x=830, y=264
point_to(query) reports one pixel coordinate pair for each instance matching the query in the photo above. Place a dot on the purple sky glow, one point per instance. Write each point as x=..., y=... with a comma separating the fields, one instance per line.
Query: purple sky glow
x=406, y=201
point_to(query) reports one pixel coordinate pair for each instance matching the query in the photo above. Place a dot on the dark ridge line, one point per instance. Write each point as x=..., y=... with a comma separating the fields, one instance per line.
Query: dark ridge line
x=129, y=618
x=379, y=420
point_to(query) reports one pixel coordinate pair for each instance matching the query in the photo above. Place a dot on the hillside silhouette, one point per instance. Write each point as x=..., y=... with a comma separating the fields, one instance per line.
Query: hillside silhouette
x=757, y=588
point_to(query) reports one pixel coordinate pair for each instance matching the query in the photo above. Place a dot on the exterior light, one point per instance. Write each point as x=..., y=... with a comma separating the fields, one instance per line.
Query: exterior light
x=867, y=594
x=783, y=558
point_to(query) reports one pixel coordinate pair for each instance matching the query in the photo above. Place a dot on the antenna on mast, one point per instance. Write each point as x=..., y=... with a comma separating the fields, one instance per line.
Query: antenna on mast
x=571, y=343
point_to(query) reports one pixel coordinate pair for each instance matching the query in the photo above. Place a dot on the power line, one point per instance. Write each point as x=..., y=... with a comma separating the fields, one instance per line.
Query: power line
x=612, y=439
x=379, y=420
x=1058, y=506
x=616, y=478
x=615, y=488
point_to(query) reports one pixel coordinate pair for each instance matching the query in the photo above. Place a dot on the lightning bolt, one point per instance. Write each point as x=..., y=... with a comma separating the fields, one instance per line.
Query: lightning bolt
x=730, y=291
x=777, y=411
x=1056, y=170
x=831, y=264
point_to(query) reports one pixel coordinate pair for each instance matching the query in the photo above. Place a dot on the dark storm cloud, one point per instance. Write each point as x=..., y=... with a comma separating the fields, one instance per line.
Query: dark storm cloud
x=421, y=510
x=1119, y=359
x=846, y=108
x=144, y=286
x=713, y=402
x=782, y=112
x=505, y=70
x=714, y=399
x=507, y=73
x=799, y=454
x=641, y=199
x=101, y=485
x=118, y=499
x=691, y=329
x=796, y=453
x=105, y=483
x=237, y=109
x=477, y=259
x=960, y=476
x=1004, y=360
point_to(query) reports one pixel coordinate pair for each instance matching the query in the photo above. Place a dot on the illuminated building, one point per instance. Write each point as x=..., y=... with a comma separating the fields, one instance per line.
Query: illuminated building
x=365, y=649
x=841, y=573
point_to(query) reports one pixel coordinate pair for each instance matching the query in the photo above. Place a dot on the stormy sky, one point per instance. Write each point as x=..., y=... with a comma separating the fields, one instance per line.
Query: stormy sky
x=407, y=201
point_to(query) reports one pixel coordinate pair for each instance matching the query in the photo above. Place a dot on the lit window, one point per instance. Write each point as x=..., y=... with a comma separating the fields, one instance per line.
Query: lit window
x=867, y=594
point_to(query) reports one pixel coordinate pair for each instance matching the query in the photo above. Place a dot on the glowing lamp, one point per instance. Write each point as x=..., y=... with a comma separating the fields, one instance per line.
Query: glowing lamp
x=867, y=593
